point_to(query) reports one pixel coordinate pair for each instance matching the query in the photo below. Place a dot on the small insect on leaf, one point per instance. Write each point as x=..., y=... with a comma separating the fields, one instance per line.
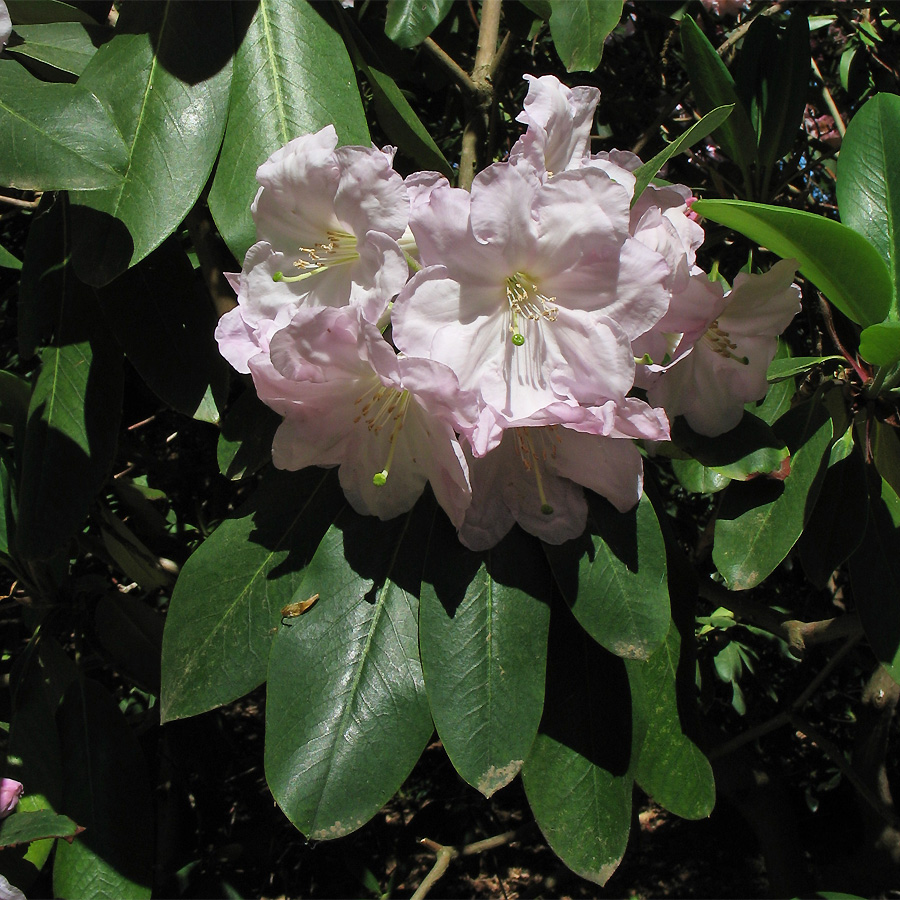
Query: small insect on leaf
x=292, y=610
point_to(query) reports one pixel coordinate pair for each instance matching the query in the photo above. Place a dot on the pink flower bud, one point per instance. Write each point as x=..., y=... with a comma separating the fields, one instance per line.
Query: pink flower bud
x=10, y=791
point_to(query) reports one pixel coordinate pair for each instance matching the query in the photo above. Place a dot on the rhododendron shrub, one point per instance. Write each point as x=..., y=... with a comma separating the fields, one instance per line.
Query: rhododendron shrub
x=441, y=368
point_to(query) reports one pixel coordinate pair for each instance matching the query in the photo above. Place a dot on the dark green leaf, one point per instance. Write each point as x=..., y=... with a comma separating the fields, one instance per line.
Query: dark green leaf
x=880, y=344
x=24, y=827
x=869, y=180
x=837, y=260
x=885, y=444
x=795, y=365
x=670, y=767
x=713, y=87
x=292, y=76
x=577, y=776
x=346, y=710
x=760, y=521
x=67, y=46
x=107, y=790
x=699, y=130
x=579, y=28
x=131, y=631
x=750, y=448
x=227, y=602
x=614, y=578
x=55, y=136
x=38, y=12
x=8, y=261
x=409, y=22
x=483, y=637
x=168, y=94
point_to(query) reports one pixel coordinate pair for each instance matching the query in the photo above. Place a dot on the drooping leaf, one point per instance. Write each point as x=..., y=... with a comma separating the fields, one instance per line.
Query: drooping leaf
x=346, y=710
x=836, y=259
x=226, y=605
x=168, y=94
x=699, y=130
x=713, y=86
x=868, y=185
x=483, y=636
x=67, y=46
x=107, y=790
x=55, y=136
x=579, y=28
x=409, y=22
x=577, y=777
x=614, y=578
x=25, y=827
x=760, y=521
x=670, y=767
x=292, y=76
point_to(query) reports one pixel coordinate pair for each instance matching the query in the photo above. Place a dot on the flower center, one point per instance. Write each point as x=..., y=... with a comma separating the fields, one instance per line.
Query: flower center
x=338, y=248
x=720, y=342
x=382, y=406
x=533, y=458
x=526, y=300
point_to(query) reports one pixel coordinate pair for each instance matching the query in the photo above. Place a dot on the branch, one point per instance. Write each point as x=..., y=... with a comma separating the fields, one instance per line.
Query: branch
x=450, y=65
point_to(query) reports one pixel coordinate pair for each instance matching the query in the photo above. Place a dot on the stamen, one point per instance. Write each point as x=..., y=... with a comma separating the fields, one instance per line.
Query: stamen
x=525, y=299
x=720, y=342
x=338, y=248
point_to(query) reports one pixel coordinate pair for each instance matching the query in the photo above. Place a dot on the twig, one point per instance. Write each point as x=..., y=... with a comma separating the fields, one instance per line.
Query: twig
x=445, y=854
x=829, y=101
x=22, y=204
x=450, y=65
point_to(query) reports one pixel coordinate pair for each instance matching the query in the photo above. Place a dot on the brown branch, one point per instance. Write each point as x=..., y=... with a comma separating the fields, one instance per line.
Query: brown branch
x=450, y=64
x=22, y=204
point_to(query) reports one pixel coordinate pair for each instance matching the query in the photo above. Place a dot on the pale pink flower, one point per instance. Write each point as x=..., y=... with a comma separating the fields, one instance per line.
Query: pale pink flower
x=726, y=367
x=10, y=792
x=350, y=401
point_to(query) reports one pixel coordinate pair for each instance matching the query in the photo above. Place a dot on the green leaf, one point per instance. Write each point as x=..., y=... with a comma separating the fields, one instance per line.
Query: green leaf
x=107, y=790
x=875, y=577
x=789, y=366
x=644, y=174
x=713, y=87
x=165, y=323
x=346, y=710
x=670, y=767
x=24, y=827
x=614, y=578
x=577, y=776
x=8, y=261
x=869, y=181
x=38, y=12
x=579, y=28
x=70, y=435
x=885, y=446
x=226, y=606
x=409, y=22
x=880, y=344
x=131, y=631
x=67, y=46
x=760, y=521
x=694, y=476
x=168, y=94
x=837, y=260
x=292, y=76
x=55, y=136
x=838, y=521
x=750, y=448
x=483, y=636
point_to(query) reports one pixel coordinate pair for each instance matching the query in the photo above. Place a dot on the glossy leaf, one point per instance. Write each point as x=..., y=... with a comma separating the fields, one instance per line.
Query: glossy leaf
x=67, y=46
x=880, y=344
x=670, y=767
x=346, y=710
x=694, y=476
x=164, y=322
x=226, y=606
x=579, y=28
x=713, y=86
x=55, y=136
x=841, y=263
x=614, y=578
x=292, y=76
x=875, y=578
x=107, y=790
x=25, y=827
x=168, y=94
x=409, y=22
x=647, y=172
x=760, y=521
x=868, y=184
x=750, y=448
x=483, y=635
x=577, y=777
